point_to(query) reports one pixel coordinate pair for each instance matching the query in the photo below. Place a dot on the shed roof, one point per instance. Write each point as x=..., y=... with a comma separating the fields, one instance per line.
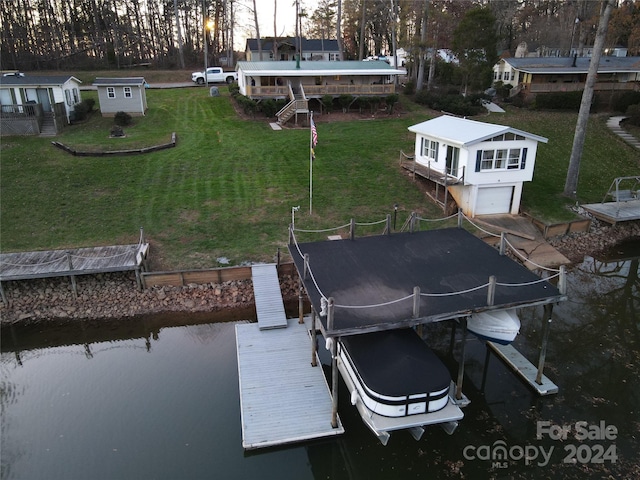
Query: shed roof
x=464, y=132
x=372, y=279
x=557, y=65
x=319, y=68
x=118, y=82
x=36, y=80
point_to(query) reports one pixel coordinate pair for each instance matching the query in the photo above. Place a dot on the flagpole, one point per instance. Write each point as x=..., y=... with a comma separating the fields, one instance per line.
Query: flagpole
x=311, y=165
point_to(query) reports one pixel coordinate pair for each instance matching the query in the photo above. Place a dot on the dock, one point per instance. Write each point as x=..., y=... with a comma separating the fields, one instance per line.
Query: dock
x=525, y=369
x=283, y=399
x=268, y=298
x=614, y=212
x=73, y=262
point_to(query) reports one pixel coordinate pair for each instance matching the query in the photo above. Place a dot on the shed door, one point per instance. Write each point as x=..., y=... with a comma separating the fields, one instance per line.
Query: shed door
x=493, y=200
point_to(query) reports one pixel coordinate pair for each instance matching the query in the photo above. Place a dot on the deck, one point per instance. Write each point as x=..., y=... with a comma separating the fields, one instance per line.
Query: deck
x=268, y=298
x=429, y=173
x=614, y=212
x=283, y=399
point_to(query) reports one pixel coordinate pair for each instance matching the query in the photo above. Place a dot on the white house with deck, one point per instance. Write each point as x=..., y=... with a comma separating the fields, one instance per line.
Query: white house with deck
x=483, y=166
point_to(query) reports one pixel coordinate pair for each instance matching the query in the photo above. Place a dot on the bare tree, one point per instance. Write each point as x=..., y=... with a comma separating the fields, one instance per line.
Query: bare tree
x=571, y=183
x=339, y=30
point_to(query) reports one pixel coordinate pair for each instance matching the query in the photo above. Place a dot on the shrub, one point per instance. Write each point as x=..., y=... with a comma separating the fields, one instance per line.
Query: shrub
x=559, y=100
x=456, y=104
x=633, y=112
x=234, y=89
x=90, y=103
x=625, y=100
x=345, y=102
x=269, y=107
x=327, y=102
x=81, y=111
x=409, y=88
x=391, y=100
x=122, y=119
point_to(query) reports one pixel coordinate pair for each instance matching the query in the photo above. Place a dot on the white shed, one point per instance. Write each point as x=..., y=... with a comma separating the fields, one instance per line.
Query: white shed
x=486, y=164
x=122, y=95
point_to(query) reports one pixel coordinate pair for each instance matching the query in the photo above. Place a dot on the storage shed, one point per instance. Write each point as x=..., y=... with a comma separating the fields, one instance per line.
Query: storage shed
x=122, y=95
x=483, y=165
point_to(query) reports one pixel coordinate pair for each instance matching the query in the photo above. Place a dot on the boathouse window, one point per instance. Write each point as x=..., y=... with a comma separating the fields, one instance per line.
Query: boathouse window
x=111, y=92
x=127, y=92
x=501, y=159
x=429, y=149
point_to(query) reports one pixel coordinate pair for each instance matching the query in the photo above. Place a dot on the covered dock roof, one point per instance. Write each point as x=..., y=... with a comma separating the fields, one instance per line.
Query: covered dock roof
x=404, y=279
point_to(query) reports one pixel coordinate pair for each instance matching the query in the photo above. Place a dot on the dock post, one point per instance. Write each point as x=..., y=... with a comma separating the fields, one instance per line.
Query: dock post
x=72, y=277
x=416, y=302
x=3, y=295
x=306, y=266
x=388, y=225
x=562, y=280
x=546, y=326
x=460, y=218
x=503, y=243
x=300, y=301
x=463, y=321
x=491, y=290
x=485, y=369
x=137, y=267
x=334, y=366
x=314, y=339
x=352, y=229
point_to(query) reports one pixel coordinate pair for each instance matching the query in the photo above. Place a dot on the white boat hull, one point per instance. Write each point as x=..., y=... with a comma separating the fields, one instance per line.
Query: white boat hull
x=499, y=326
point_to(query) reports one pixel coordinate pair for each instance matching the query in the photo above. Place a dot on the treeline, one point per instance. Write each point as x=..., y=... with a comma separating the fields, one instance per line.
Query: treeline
x=90, y=34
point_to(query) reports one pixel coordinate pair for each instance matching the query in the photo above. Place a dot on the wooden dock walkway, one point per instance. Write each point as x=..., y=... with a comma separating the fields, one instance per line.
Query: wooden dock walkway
x=283, y=399
x=268, y=298
x=73, y=262
x=614, y=212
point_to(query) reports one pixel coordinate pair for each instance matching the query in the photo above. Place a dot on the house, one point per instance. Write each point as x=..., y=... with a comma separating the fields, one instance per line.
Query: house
x=483, y=166
x=566, y=74
x=310, y=49
x=300, y=81
x=37, y=104
x=122, y=95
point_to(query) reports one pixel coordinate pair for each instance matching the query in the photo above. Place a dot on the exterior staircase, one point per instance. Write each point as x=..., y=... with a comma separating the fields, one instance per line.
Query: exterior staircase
x=48, y=127
x=298, y=104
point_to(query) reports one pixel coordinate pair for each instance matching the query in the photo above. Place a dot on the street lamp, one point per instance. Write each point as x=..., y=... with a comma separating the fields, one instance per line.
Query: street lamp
x=208, y=25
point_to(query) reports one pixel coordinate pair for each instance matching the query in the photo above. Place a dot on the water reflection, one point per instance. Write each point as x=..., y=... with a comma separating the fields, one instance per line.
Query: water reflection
x=158, y=398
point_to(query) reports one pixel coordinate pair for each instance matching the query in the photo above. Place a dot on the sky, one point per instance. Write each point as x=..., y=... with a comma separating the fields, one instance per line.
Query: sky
x=285, y=18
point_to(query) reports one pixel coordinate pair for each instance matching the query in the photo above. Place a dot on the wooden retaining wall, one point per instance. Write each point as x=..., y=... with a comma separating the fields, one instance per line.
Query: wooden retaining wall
x=180, y=278
x=135, y=151
x=557, y=229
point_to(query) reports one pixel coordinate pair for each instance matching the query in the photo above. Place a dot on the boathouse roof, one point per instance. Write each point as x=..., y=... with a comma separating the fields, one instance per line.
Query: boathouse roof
x=372, y=279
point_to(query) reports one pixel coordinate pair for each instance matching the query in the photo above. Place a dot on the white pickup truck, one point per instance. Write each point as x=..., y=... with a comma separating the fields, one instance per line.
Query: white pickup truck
x=214, y=75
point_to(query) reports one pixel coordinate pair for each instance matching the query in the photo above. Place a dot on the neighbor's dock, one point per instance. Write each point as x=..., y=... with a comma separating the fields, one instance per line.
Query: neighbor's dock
x=72, y=262
x=623, y=204
x=283, y=398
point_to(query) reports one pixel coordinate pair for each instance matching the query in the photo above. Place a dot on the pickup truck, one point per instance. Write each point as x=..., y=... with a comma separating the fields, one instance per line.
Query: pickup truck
x=214, y=75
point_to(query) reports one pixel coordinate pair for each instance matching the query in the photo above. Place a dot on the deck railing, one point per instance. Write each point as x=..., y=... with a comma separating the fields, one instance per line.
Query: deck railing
x=23, y=110
x=573, y=87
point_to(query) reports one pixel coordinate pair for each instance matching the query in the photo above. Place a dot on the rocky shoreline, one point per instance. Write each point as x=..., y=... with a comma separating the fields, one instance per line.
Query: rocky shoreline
x=115, y=295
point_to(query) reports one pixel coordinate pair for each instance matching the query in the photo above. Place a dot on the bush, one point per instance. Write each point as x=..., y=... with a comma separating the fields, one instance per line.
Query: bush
x=345, y=102
x=122, y=119
x=327, y=102
x=234, y=89
x=625, y=100
x=250, y=107
x=391, y=100
x=409, y=88
x=633, y=112
x=90, y=103
x=80, y=111
x=560, y=100
x=456, y=104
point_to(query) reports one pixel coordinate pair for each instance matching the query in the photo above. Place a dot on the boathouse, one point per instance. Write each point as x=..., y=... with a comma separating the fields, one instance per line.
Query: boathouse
x=482, y=166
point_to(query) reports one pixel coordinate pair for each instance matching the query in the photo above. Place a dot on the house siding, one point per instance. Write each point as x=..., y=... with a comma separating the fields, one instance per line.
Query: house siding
x=136, y=105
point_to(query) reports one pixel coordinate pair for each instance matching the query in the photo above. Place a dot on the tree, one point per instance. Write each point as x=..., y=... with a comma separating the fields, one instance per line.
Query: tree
x=474, y=43
x=571, y=183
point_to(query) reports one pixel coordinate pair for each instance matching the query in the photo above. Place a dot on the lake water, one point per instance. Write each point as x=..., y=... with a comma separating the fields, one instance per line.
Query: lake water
x=158, y=399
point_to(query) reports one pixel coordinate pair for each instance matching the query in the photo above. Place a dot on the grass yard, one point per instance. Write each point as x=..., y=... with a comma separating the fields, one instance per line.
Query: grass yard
x=227, y=189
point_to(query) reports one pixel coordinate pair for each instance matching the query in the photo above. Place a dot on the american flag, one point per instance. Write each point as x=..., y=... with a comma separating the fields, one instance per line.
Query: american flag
x=314, y=134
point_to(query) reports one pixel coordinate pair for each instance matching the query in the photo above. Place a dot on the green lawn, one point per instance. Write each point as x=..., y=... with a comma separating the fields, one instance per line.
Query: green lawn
x=227, y=189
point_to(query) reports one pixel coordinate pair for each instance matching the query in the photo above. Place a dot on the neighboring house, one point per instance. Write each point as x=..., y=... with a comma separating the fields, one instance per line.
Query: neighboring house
x=37, y=104
x=300, y=81
x=483, y=166
x=566, y=74
x=311, y=49
x=122, y=95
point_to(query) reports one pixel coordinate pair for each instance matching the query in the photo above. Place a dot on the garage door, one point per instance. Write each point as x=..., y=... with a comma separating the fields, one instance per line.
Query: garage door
x=494, y=200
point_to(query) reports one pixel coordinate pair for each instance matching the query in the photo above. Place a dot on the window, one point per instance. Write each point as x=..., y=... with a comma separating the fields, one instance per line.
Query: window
x=127, y=92
x=334, y=57
x=111, y=92
x=501, y=159
x=76, y=96
x=429, y=149
x=514, y=159
x=67, y=95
